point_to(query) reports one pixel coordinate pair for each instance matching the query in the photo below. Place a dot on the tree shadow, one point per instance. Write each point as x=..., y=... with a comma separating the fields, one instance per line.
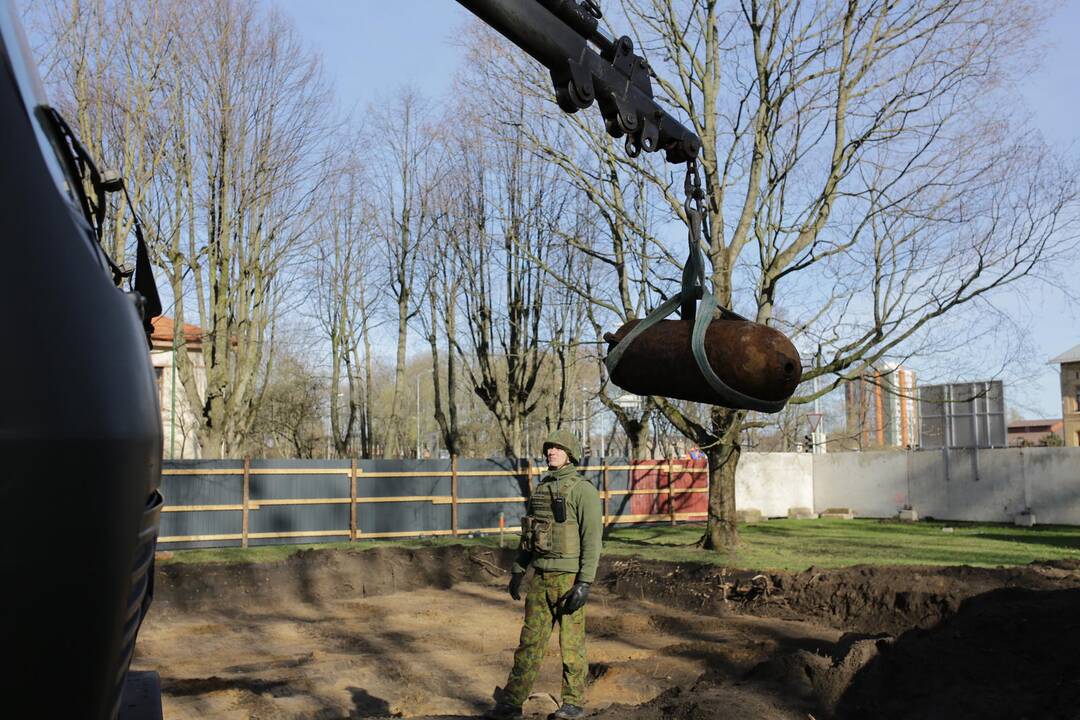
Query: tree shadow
x=648, y=541
x=183, y=687
x=366, y=705
x=1048, y=539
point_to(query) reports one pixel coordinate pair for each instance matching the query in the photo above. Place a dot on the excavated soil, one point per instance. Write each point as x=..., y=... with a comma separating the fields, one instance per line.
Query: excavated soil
x=430, y=632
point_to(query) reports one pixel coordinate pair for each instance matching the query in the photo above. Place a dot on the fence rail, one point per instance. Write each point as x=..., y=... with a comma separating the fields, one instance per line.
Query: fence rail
x=202, y=515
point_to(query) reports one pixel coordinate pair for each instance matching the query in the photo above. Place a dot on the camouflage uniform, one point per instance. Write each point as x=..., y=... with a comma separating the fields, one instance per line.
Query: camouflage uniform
x=540, y=608
x=567, y=553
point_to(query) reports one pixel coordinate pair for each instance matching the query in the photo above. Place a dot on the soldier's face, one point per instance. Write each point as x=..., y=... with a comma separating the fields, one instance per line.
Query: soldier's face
x=556, y=457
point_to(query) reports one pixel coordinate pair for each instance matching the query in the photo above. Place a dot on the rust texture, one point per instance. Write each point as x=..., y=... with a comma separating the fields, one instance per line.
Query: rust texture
x=749, y=357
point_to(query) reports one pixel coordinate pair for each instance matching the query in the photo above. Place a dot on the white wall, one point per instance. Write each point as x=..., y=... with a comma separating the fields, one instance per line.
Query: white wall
x=178, y=424
x=1052, y=477
x=873, y=484
x=984, y=485
x=774, y=482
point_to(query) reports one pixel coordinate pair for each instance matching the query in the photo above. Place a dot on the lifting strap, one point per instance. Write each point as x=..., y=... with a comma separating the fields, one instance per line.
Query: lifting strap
x=686, y=300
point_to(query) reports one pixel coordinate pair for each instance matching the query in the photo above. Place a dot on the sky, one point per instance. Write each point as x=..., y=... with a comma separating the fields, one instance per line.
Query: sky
x=371, y=48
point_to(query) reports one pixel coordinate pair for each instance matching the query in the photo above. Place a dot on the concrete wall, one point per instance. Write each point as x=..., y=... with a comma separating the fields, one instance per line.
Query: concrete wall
x=984, y=485
x=873, y=484
x=774, y=482
x=1052, y=479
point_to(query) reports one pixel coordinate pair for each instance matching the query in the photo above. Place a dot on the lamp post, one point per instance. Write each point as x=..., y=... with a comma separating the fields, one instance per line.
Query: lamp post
x=425, y=372
x=818, y=435
x=587, y=395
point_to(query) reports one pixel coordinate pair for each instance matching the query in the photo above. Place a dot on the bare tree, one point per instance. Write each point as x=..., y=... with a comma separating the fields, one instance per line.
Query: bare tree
x=407, y=174
x=105, y=66
x=244, y=163
x=861, y=178
x=509, y=211
x=445, y=282
x=618, y=244
x=289, y=421
x=343, y=294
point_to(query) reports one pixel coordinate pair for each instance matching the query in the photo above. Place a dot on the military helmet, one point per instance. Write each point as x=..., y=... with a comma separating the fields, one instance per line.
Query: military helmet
x=565, y=440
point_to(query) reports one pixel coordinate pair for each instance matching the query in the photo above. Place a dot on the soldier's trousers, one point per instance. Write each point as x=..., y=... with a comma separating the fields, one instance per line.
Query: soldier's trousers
x=540, y=608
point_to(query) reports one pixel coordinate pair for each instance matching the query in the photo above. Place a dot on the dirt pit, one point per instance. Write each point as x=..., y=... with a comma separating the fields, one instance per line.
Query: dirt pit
x=422, y=633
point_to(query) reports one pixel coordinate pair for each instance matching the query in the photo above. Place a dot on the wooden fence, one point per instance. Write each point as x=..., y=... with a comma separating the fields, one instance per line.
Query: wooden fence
x=646, y=492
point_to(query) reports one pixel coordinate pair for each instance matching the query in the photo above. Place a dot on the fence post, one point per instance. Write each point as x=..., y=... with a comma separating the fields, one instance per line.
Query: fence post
x=246, y=505
x=603, y=485
x=352, y=501
x=671, y=489
x=453, y=495
x=527, y=471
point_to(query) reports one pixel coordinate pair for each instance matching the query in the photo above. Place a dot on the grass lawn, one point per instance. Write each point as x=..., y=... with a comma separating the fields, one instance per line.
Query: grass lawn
x=798, y=544
x=772, y=545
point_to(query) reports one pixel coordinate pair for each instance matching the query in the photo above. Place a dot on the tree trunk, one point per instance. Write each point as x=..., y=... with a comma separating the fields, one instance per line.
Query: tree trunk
x=636, y=429
x=638, y=434
x=722, y=531
x=367, y=434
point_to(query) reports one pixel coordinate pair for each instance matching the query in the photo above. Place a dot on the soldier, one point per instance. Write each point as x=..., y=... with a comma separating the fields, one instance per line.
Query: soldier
x=560, y=539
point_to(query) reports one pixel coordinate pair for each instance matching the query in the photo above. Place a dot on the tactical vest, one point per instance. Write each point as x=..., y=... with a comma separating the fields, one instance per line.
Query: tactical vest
x=540, y=533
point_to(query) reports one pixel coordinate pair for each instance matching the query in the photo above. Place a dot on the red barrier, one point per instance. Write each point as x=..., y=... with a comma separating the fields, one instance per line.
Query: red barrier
x=656, y=475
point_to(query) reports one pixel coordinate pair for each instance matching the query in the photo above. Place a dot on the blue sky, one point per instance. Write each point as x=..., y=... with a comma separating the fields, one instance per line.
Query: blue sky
x=371, y=48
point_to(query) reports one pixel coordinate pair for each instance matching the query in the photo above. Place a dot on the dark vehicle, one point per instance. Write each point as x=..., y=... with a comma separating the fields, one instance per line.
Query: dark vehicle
x=80, y=427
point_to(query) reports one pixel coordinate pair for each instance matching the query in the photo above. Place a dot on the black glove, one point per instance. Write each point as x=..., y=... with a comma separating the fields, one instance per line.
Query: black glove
x=575, y=599
x=514, y=588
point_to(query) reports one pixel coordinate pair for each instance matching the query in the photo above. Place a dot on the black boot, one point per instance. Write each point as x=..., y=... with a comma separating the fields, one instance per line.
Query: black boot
x=567, y=712
x=503, y=710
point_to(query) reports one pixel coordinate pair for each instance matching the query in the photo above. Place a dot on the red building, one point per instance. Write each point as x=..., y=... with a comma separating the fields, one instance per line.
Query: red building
x=1033, y=432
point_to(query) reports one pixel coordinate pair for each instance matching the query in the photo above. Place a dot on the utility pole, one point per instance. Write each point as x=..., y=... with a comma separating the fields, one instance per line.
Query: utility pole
x=584, y=423
x=418, y=375
x=818, y=434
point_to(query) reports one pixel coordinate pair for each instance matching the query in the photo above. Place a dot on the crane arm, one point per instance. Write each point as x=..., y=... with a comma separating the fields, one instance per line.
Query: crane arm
x=558, y=33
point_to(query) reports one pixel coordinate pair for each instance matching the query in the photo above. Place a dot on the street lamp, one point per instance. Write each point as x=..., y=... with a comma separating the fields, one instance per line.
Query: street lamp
x=586, y=419
x=425, y=372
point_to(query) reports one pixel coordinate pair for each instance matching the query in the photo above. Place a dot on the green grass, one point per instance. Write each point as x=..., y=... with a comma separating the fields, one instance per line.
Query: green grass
x=798, y=544
x=771, y=545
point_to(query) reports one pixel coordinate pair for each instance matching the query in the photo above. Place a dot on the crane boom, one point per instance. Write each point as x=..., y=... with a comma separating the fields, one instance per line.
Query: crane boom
x=557, y=34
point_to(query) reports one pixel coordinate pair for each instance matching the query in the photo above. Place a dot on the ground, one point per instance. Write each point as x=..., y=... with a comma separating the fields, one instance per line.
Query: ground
x=429, y=632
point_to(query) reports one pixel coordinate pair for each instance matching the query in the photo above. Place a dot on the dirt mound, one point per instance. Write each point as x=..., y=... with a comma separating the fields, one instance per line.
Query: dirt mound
x=429, y=632
x=315, y=576
x=820, y=680
x=707, y=701
x=1009, y=653
x=894, y=599
x=865, y=599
